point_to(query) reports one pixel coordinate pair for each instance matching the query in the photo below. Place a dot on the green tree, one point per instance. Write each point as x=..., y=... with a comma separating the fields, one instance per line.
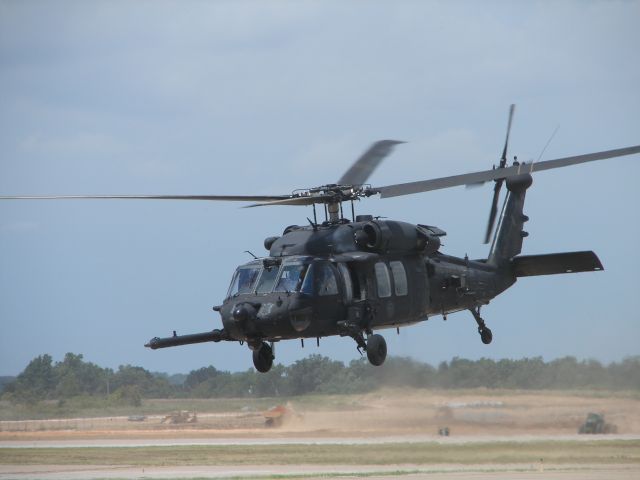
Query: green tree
x=148, y=385
x=270, y=384
x=37, y=381
x=74, y=377
x=309, y=374
x=127, y=395
x=196, y=377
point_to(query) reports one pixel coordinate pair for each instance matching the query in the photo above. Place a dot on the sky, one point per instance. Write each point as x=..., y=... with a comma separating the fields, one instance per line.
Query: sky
x=258, y=97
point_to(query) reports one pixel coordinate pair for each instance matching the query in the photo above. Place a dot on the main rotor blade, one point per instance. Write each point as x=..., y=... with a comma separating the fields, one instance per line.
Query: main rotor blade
x=231, y=198
x=306, y=200
x=362, y=168
x=494, y=174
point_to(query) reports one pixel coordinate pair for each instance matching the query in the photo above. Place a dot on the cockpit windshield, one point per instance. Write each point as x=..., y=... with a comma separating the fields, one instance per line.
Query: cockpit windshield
x=267, y=279
x=244, y=279
x=260, y=277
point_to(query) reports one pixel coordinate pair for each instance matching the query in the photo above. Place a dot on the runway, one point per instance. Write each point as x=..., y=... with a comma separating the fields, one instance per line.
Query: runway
x=413, y=472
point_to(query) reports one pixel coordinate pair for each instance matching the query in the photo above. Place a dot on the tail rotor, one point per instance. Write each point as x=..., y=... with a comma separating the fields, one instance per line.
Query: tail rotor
x=498, y=183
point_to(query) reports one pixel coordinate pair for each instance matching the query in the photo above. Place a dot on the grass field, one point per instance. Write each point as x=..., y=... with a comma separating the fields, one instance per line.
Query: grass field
x=553, y=452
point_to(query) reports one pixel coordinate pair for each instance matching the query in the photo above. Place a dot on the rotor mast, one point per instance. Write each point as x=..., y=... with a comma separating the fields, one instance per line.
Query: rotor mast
x=333, y=208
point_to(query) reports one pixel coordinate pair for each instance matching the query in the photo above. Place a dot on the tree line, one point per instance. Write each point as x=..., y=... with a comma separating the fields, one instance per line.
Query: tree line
x=43, y=379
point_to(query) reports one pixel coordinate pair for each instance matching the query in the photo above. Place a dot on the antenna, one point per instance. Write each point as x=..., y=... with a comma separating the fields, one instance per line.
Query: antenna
x=548, y=142
x=313, y=224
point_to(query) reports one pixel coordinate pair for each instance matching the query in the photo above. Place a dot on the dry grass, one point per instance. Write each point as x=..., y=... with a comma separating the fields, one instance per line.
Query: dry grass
x=556, y=452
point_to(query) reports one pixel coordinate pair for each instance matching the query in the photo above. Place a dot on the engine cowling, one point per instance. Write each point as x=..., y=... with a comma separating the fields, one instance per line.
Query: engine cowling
x=384, y=236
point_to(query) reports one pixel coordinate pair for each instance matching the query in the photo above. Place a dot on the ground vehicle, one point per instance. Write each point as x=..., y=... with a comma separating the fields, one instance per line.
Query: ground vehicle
x=182, y=416
x=595, y=424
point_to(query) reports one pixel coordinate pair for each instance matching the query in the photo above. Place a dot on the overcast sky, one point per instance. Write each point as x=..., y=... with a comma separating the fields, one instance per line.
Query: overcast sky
x=243, y=97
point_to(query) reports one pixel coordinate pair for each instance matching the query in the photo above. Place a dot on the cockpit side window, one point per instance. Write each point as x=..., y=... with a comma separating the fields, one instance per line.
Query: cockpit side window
x=244, y=280
x=320, y=280
x=291, y=278
x=267, y=279
x=326, y=283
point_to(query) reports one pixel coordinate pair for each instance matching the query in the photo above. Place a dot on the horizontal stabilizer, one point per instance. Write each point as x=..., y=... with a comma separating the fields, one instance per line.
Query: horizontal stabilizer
x=550, y=264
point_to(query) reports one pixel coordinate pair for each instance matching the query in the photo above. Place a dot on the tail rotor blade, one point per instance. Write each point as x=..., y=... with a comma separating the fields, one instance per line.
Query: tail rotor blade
x=503, y=158
x=494, y=210
x=496, y=189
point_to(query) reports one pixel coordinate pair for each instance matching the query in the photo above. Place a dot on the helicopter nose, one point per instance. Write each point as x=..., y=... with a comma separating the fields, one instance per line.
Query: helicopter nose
x=244, y=312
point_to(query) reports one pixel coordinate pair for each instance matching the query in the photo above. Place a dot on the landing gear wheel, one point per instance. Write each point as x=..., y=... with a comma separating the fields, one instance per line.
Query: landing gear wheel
x=485, y=335
x=263, y=358
x=376, y=349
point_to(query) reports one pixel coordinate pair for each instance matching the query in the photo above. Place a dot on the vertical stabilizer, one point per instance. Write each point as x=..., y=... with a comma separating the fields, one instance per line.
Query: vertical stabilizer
x=507, y=242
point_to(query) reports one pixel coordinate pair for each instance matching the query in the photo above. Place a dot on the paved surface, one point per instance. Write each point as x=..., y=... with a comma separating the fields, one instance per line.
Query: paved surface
x=432, y=472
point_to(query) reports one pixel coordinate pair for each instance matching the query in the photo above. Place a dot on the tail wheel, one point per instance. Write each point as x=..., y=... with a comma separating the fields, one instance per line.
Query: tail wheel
x=485, y=335
x=376, y=349
x=263, y=358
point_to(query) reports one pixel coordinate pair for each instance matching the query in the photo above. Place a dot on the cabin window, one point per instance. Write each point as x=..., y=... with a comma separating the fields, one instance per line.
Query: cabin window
x=244, y=280
x=320, y=280
x=267, y=279
x=383, y=280
x=399, y=278
x=291, y=277
x=346, y=278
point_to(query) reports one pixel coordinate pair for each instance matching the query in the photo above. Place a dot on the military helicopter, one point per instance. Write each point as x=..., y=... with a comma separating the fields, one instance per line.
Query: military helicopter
x=353, y=276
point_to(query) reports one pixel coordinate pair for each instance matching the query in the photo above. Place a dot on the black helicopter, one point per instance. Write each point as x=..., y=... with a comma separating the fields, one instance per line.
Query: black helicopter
x=349, y=277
